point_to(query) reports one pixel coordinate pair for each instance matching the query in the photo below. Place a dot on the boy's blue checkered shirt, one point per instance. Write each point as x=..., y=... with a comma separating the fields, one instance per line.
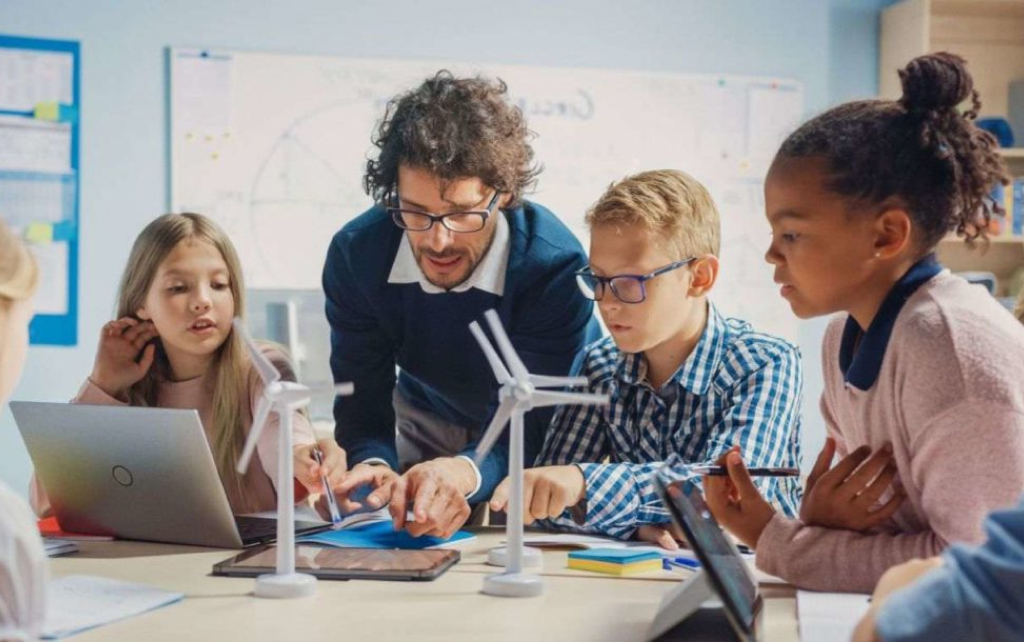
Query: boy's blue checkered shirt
x=737, y=387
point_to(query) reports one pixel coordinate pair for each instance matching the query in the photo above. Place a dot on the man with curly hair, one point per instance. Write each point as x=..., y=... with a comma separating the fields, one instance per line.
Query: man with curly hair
x=450, y=236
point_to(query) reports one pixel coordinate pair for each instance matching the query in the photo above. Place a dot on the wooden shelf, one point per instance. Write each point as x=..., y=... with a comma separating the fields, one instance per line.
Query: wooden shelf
x=980, y=8
x=1014, y=157
x=989, y=34
x=996, y=240
x=1003, y=256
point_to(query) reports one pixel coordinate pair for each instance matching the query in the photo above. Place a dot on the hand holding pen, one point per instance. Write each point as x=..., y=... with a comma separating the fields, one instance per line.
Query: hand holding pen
x=321, y=466
x=332, y=501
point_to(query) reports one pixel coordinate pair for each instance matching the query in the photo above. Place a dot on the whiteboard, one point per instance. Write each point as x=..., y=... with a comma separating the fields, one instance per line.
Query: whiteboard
x=274, y=146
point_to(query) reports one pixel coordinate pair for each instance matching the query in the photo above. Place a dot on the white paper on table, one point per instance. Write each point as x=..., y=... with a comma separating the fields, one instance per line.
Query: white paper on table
x=829, y=616
x=32, y=77
x=578, y=540
x=303, y=513
x=80, y=602
x=573, y=540
x=306, y=513
x=52, y=295
x=31, y=145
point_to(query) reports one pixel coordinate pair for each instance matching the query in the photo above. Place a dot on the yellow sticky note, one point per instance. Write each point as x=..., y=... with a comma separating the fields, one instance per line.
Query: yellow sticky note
x=47, y=111
x=41, y=233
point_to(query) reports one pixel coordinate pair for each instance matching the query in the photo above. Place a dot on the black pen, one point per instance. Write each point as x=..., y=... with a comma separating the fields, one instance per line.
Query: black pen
x=722, y=471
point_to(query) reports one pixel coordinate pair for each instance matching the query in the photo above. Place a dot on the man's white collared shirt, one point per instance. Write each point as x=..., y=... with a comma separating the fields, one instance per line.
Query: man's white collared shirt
x=488, y=276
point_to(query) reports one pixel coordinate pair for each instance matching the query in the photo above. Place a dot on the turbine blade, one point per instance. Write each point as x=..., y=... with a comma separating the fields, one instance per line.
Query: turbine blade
x=494, y=430
x=294, y=394
x=505, y=345
x=266, y=370
x=544, y=381
x=334, y=390
x=546, y=398
x=500, y=371
x=258, y=422
x=344, y=389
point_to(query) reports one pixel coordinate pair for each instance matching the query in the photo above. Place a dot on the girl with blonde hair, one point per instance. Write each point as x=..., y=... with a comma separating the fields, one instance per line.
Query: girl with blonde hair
x=172, y=345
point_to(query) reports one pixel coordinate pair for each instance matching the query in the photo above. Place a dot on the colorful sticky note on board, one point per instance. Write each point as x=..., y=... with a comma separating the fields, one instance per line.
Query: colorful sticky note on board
x=56, y=112
x=40, y=233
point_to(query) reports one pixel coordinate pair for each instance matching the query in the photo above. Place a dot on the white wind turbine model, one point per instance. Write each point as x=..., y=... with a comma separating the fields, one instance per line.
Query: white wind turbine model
x=518, y=394
x=284, y=397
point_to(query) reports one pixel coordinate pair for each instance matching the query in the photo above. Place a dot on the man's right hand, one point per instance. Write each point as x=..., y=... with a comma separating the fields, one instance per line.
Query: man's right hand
x=118, y=364
x=435, y=491
x=378, y=480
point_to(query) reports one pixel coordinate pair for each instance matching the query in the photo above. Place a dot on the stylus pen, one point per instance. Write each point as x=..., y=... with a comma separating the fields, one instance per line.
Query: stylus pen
x=332, y=501
x=722, y=471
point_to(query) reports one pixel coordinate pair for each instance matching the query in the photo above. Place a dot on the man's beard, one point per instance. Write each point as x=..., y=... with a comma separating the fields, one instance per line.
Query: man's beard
x=422, y=255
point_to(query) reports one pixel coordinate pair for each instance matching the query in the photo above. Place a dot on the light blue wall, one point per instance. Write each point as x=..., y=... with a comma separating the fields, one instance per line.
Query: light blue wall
x=830, y=46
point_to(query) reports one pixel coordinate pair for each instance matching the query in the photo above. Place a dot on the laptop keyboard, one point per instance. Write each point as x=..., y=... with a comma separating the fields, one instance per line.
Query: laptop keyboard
x=254, y=530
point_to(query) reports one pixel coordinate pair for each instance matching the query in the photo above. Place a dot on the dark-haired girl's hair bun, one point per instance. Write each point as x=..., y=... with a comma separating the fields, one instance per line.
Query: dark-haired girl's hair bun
x=936, y=82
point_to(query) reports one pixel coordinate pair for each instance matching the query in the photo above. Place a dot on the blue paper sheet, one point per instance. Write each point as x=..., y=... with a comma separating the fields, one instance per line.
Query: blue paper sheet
x=380, y=535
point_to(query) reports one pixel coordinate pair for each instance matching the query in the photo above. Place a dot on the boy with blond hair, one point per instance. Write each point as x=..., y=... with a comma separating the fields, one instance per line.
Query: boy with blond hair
x=685, y=383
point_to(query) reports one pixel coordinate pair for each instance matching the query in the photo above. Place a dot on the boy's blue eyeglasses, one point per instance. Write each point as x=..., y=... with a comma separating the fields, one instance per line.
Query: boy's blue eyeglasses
x=628, y=288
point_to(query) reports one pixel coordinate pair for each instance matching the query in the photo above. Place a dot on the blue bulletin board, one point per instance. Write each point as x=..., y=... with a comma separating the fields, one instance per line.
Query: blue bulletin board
x=39, y=172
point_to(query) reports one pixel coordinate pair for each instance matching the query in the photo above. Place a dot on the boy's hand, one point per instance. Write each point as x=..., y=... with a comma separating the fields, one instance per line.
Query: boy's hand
x=547, y=492
x=843, y=496
x=666, y=536
x=124, y=356
x=735, y=502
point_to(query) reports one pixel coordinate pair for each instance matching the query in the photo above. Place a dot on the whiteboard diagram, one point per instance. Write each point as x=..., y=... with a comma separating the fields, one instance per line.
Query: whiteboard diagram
x=274, y=147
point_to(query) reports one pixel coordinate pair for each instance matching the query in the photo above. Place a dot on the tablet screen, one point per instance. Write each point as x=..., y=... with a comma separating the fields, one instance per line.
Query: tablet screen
x=345, y=563
x=726, y=570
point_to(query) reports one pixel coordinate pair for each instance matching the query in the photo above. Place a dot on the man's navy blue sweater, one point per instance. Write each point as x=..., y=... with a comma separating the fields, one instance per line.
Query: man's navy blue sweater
x=376, y=325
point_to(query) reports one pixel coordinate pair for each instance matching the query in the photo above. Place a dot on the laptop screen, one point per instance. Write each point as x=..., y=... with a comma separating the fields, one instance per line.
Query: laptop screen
x=725, y=568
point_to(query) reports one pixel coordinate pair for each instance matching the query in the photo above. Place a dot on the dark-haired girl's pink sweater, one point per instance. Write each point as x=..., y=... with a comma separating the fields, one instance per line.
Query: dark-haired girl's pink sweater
x=945, y=387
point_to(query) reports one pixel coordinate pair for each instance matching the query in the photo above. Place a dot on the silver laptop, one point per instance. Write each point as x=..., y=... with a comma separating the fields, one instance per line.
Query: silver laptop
x=135, y=473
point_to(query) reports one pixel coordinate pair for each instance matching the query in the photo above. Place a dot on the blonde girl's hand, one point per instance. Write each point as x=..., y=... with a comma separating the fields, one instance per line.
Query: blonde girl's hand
x=309, y=472
x=124, y=356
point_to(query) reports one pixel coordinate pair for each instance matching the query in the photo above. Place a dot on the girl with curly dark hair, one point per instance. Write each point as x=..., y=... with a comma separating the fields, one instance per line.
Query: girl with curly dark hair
x=922, y=395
